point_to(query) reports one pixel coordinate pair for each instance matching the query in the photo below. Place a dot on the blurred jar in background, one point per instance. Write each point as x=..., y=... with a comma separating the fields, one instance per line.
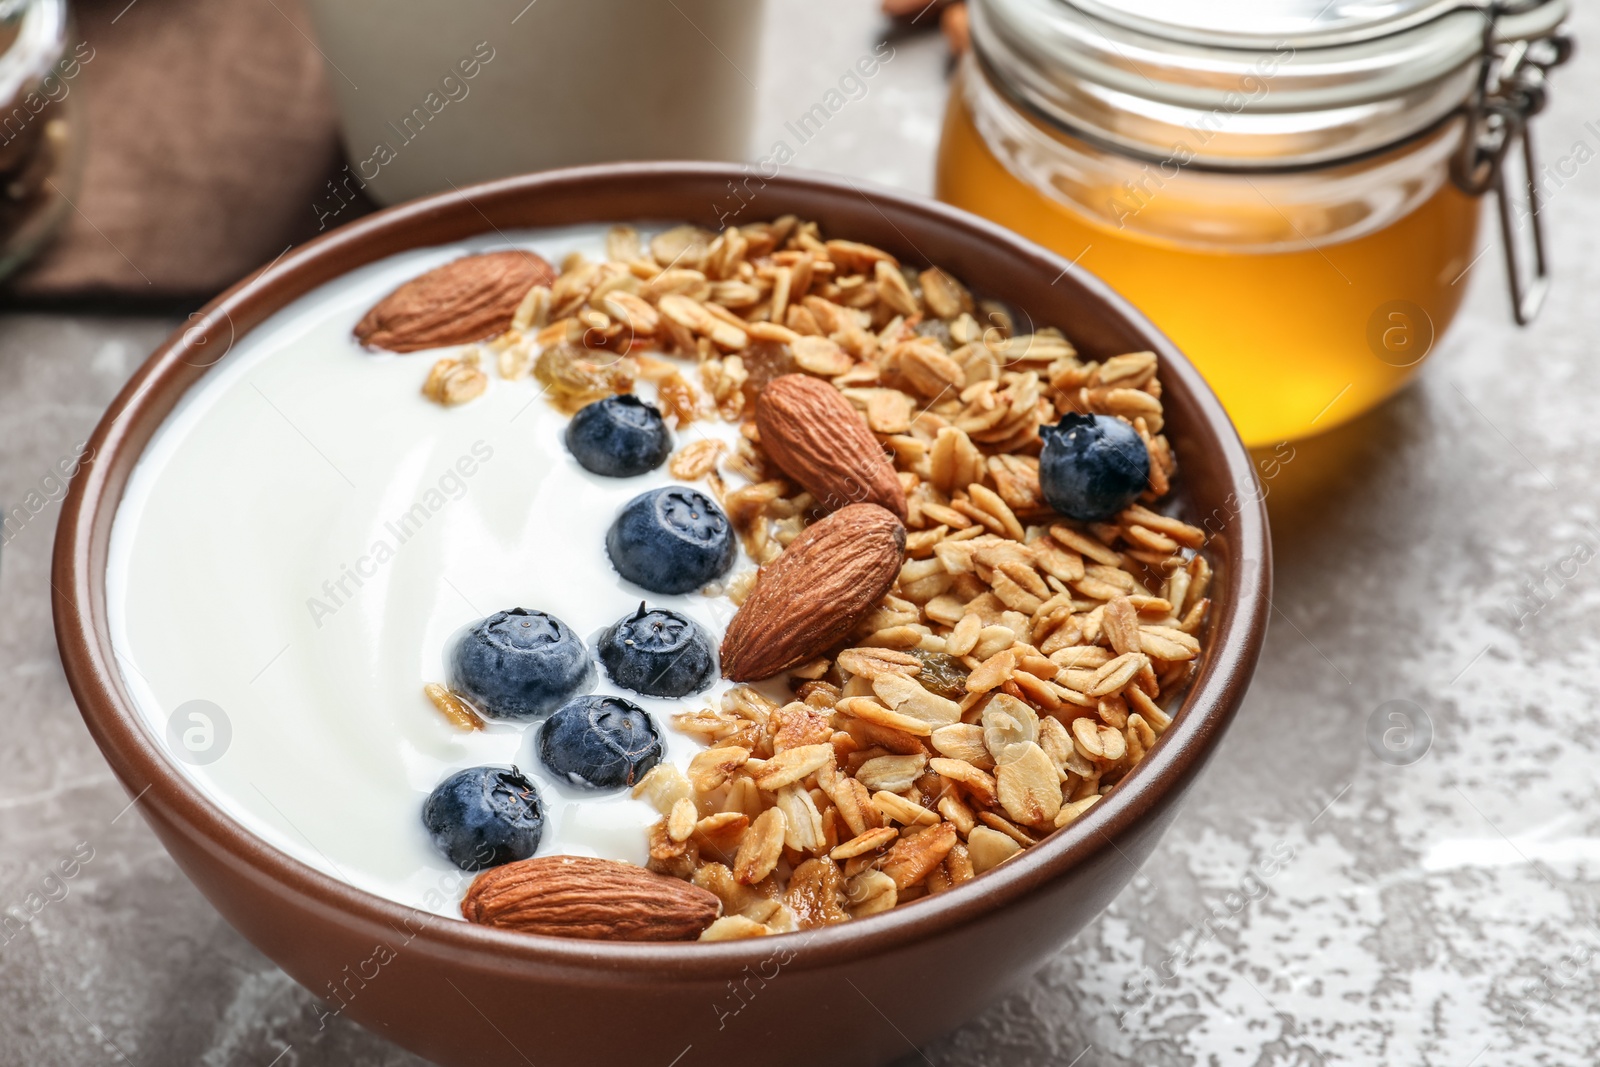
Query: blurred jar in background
x=41, y=127
x=1288, y=190
x=433, y=94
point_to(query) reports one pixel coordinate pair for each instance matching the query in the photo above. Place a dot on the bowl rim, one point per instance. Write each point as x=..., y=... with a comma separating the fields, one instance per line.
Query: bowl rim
x=78, y=600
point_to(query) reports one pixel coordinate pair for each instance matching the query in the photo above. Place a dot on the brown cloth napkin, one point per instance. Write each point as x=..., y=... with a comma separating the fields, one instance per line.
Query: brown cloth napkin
x=211, y=136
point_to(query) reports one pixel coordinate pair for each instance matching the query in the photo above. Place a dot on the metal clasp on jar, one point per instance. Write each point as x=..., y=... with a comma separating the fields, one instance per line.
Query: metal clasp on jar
x=1510, y=91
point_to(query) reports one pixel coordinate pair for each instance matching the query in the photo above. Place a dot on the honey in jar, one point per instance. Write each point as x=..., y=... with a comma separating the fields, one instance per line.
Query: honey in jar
x=1293, y=201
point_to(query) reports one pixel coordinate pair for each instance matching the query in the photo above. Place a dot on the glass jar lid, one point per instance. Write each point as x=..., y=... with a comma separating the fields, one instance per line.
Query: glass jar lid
x=1299, y=23
x=1282, y=84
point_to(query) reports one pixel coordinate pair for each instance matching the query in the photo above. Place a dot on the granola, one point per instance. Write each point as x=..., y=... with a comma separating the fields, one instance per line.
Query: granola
x=1019, y=666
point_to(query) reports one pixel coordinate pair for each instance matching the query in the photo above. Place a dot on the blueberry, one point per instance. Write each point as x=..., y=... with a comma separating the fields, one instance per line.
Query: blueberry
x=485, y=816
x=519, y=664
x=671, y=540
x=619, y=437
x=659, y=653
x=1092, y=466
x=600, y=742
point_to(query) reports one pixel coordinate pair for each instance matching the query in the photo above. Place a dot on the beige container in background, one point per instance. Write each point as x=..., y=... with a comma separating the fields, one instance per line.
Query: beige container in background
x=435, y=94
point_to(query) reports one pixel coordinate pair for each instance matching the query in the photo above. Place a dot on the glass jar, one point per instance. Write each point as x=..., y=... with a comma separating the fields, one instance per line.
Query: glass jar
x=434, y=95
x=1290, y=193
x=41, y=125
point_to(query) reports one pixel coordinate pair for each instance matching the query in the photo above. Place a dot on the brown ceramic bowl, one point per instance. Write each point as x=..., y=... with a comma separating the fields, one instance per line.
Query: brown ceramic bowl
x=859, y=993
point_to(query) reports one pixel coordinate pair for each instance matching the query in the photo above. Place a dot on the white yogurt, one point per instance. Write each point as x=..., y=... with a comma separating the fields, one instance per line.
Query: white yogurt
x=301, y=539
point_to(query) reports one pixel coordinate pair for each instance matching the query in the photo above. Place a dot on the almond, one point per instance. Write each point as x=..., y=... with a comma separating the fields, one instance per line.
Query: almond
x=576, y=896
x=809, y=598
x=819, y=439
x=466, y=300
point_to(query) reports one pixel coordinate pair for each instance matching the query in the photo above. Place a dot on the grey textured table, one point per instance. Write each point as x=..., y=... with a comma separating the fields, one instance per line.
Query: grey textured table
x=1312, y=904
